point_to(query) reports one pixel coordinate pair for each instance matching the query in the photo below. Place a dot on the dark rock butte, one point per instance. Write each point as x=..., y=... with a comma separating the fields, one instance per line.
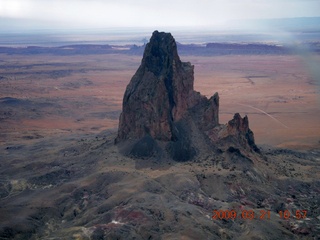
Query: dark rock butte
x=161, y=107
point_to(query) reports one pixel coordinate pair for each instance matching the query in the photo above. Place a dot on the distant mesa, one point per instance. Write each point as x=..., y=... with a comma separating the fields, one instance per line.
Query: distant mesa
x=162, y=115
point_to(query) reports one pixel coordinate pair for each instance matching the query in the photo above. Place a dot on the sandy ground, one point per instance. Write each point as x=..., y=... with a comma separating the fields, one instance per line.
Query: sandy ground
x=84, y=94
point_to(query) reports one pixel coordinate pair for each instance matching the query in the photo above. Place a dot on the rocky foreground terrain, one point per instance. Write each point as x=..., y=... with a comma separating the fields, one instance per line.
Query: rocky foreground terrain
x=82, y=188
x=171, y=171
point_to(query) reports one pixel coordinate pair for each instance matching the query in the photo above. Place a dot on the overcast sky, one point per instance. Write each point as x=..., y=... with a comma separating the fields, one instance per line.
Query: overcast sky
x=149, y=13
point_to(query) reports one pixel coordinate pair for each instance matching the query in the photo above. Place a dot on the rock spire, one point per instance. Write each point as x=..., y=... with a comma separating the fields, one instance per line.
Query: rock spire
x=161, y=106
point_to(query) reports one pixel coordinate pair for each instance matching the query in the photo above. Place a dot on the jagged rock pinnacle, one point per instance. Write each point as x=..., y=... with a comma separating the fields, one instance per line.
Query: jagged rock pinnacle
x=158, y=93
x=160, y=105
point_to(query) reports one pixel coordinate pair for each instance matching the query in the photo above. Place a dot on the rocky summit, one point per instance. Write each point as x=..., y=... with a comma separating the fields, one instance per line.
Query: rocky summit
x=162, y=114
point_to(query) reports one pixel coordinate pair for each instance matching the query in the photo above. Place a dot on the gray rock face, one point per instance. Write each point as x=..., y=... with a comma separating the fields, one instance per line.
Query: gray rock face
x=160, y=103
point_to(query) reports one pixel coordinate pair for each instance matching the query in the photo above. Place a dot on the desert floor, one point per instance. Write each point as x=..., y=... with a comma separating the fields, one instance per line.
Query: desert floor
x=44, y=95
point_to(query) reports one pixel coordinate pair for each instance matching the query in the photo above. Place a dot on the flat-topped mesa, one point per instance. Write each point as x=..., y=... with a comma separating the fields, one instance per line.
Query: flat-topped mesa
x=161, y=106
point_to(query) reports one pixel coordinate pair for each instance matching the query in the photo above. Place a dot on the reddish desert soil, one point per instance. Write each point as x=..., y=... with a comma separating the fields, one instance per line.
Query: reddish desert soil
x=64, y=94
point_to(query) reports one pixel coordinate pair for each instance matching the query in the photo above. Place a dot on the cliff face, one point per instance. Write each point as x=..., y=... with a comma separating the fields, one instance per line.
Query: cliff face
x=160, y=103
x=158, y=93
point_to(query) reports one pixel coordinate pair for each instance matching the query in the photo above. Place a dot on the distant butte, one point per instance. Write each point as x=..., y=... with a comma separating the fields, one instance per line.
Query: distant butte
x=162, y=114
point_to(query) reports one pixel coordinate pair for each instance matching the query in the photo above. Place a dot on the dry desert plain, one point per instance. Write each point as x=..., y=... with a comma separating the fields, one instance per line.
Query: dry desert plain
x=62, y=177
x=83, y=93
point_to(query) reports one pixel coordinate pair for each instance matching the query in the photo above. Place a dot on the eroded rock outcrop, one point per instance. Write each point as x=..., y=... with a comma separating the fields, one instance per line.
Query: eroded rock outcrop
x=158, y=94
x=237, y=131
x=162, y=112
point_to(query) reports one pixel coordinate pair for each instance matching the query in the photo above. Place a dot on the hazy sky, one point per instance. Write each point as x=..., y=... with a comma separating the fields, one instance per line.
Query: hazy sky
x=148, y=13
